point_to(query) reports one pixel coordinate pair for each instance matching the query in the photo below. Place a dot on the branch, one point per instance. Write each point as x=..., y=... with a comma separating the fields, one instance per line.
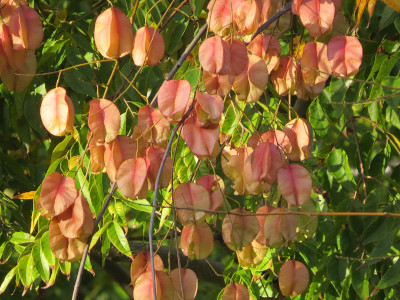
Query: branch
x=185, y=54
x=153, y=212
x=86, y=251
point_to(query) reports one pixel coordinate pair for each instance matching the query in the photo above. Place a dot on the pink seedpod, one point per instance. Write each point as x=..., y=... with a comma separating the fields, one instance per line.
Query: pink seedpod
x=113, y=33
x=235, y=291
x=317, y=15
x=57, y=112
x=315, y=66
x=268, y=48
x=345, y=55
x=215, y=56
x=148, y=47
x=293, y=278
x=173, y=98
x=295, y=184
x=197, y=241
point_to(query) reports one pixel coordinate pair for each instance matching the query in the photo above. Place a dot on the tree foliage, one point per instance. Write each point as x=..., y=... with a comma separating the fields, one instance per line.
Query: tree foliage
x=224, y=148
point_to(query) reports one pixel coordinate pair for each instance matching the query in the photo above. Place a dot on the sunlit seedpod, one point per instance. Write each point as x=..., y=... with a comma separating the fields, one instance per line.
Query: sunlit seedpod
x=113, y=33
x=57, y=112
x=293, y=278
x=148, y=47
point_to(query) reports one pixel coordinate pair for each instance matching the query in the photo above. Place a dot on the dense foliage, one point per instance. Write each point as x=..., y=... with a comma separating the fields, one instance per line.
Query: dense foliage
x=192, y=149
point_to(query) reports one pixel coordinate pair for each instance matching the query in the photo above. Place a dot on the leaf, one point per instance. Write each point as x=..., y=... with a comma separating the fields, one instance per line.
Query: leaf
x=338, y=165
x=98, y=234
x=293, y=278
x=391, y=276
x=360, y=7
x=45, y=248
x=7, y=279
x=77, y=82
x=25, y=270
x=25, y=196
x=118, y=238
x=40, y=261
x=59, y=150
x=21, y=238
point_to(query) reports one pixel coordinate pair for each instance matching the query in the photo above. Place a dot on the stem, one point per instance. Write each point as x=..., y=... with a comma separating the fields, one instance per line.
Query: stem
x=153, y=212
x=86, y=251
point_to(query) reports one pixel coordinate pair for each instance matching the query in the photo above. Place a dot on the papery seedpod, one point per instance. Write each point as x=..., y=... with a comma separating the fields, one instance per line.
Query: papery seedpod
x=116, y=152
x=173, y=97
x=8, y=6
x=10, y=59
x=104, y=120
x=57, y=195
x=345, y=55
x=153, y=125
x=77, y=221
x=279, y=228
x=268, y=48
x=19, y=79
x=65, y=249
x=141, y=143
x=340, y=26
x=97, y=150
x=190, y=283
x=215, y=188
x=148, y=47
x=314, y=64
x=293, y=278
x=247, y=17
x=266, y=160
x=141, y=264
x=252, y=186
x=197, y=241
x=276, y=137
x=202, y=141
x=261, y=214
x=317, y=16
x=153, y=157
x=251, y=84
x=57, y=112
x=251, y=255
x=131, y=176
x=238, y=55
x=235, y=291
x=217, y=84
x=268, y=8
x=238, y=231
x=299, y=133
x=208, y=108
x=232, y=162
x=195, y=197
x=284, y=78
x=296, y=6
x=113, y=33
x=144, y=287
x=26, y=28
x=220, y=15
x=306, y=92
x=215, y=56
x=295, y=184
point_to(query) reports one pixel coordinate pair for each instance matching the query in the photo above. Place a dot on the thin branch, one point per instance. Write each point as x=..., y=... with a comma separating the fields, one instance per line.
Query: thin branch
x=359, y=158
x=153, y=212
x=185, y=54
x=86, y=251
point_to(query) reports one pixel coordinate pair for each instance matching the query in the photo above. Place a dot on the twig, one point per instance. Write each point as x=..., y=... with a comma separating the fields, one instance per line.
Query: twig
x=153, y=212
x=185, y=54
x=86, y=251
x=272, y=20
x=359, y=158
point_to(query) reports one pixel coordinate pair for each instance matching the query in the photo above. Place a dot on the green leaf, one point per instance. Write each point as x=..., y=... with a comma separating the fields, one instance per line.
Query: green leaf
x=40, y=261
x=197, y=6
x=25, y=269
x=98, y=234
x=65, y=268
x=60, y=149
x=10, y=275
x=391, y=276
x=318, y=119
x=118, y=239
x=45, y=248
x=21, y=238
x=338, y=165
x=77, y=82
x=360, y=280
x=173, y=36
x=397, y=23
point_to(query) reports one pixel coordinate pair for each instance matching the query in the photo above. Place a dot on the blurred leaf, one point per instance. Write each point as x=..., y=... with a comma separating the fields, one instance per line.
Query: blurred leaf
x=118, y=239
